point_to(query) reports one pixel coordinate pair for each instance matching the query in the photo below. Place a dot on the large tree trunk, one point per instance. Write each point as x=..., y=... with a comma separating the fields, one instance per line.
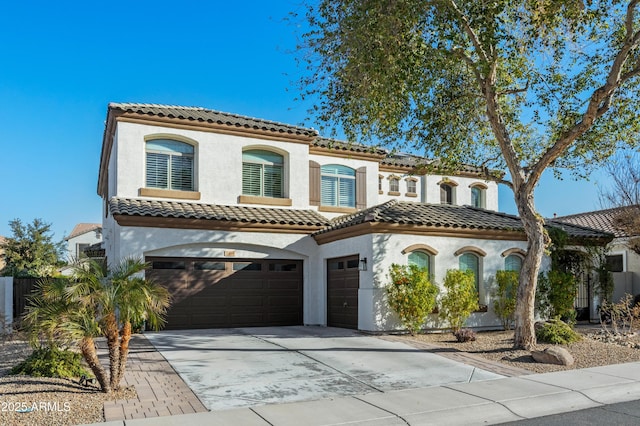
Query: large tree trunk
x=88, y=349
x=524, y=332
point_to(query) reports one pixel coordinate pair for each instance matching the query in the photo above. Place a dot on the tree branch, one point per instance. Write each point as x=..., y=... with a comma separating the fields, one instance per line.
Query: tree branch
x=599, y=101
x=470, y=32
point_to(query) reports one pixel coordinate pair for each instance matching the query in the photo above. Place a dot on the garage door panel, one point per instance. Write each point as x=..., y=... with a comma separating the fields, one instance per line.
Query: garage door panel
x=343, y=282
x=231, y=293
x=284, y=284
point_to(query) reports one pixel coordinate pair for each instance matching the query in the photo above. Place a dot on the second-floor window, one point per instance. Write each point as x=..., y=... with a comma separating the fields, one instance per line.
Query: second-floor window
x=338, y=186
x=446, y=194
x=262, y=174
x=394, y=184
x=169, y=165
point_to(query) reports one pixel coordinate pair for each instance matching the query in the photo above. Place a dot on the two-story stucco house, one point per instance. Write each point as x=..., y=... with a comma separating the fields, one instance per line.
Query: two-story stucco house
x=250, y=222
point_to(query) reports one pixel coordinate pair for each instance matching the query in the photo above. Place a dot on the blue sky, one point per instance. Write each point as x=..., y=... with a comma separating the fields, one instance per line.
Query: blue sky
x=63, y=62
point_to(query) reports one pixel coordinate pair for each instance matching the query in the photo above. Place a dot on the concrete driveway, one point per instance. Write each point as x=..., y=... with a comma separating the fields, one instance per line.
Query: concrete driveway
x=229, y=368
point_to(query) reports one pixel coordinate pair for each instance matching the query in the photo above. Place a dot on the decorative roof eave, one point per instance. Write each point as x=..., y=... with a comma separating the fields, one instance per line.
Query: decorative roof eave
x=432, y=231
x=213, y=225
x=345, y=153
x=186, y=124
x=423, y=170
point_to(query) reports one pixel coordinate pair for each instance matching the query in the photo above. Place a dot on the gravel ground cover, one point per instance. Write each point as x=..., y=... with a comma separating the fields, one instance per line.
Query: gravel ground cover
x=37, y=401
x=595, y=349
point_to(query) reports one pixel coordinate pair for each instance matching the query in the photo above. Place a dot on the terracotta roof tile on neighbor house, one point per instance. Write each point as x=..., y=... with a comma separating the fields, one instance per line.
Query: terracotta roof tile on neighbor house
x=198, y=114
x=602, y=220
x=185, y=210
x=445, y=217
x=83, y=228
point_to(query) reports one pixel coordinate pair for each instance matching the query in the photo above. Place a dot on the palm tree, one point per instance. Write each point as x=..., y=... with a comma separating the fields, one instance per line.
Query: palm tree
x=98, y=301
x=60, y=320
x=120, y=297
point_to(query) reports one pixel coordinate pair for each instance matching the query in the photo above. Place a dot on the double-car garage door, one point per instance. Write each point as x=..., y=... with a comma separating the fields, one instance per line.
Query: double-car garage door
x=212, y=293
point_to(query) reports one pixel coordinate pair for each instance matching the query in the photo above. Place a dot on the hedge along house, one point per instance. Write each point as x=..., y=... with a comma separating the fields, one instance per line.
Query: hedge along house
x=250, y=222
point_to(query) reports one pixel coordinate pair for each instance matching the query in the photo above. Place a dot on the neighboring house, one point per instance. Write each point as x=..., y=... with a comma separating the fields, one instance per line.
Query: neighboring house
x=250, y=222
x=623, y=262
x=83, y=236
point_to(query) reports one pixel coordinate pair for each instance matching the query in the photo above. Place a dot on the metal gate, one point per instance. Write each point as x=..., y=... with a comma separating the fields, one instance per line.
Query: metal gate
x=582, y=301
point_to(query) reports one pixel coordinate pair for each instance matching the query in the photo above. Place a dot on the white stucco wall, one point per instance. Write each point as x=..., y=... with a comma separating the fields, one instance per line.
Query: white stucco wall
x=462, y=197
x=382, y=250
x=385, y=196
x=218, y=162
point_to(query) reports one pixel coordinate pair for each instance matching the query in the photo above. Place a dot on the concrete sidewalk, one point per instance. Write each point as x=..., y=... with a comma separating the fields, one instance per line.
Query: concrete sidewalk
x=485, y=402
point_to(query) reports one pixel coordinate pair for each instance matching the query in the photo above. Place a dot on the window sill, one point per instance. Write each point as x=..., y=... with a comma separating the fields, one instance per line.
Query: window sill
x=269, y=201
x=168, y=193
x=331, y=209
x=380, y=192
x=395, y=193
x=411, y=194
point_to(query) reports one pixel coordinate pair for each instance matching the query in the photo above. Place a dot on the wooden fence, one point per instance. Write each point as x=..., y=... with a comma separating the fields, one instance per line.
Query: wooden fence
x=22, y=289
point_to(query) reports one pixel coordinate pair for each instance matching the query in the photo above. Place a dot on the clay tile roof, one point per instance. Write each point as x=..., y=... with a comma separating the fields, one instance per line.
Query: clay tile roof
x=602, y=220
x=83, y=228
x=445, y=217
x=199, y=114
x=186, y=210
x=338, y=145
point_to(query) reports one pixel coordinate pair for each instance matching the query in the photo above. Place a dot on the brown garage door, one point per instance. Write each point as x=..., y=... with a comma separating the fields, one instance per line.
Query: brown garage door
x=343, y=281
x=211, y=293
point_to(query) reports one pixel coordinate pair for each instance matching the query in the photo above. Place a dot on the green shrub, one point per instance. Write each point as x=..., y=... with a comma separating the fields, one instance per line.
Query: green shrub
x=505, y=303
x=460, y=300
x=51, y=362
x=411, y=295
x=557, y=332
x=555, y=295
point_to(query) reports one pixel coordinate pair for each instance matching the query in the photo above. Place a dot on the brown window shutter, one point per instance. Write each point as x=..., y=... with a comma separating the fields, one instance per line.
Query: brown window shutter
x=361, y=188
x=314, y=183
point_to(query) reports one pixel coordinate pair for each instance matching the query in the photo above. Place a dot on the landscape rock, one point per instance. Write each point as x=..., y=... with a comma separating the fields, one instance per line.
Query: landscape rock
x=553, y=355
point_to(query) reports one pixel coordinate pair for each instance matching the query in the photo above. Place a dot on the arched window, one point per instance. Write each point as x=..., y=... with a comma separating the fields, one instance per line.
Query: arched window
x=446, y=194
x=476, y=197
x=471, y=262
x=513, y=262
x=262, y=173
x=420, y=259
x=169, y=165
x=338, y=186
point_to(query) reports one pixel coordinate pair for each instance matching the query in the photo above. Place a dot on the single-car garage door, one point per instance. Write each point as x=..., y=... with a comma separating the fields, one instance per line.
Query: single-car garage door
x=212, y=293
x=343, y=281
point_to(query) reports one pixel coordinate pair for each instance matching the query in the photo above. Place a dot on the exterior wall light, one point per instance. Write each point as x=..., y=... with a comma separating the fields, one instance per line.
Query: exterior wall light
x=363, y=264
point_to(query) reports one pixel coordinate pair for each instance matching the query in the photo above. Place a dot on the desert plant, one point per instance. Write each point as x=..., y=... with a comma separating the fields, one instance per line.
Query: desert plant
x=557, y=332
x=465, y=335
x=620, y=316
x=411, y=295
x=556, y=294
x=51, y=362
x=460, y=299
x=98, y=301
x=505, y=304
